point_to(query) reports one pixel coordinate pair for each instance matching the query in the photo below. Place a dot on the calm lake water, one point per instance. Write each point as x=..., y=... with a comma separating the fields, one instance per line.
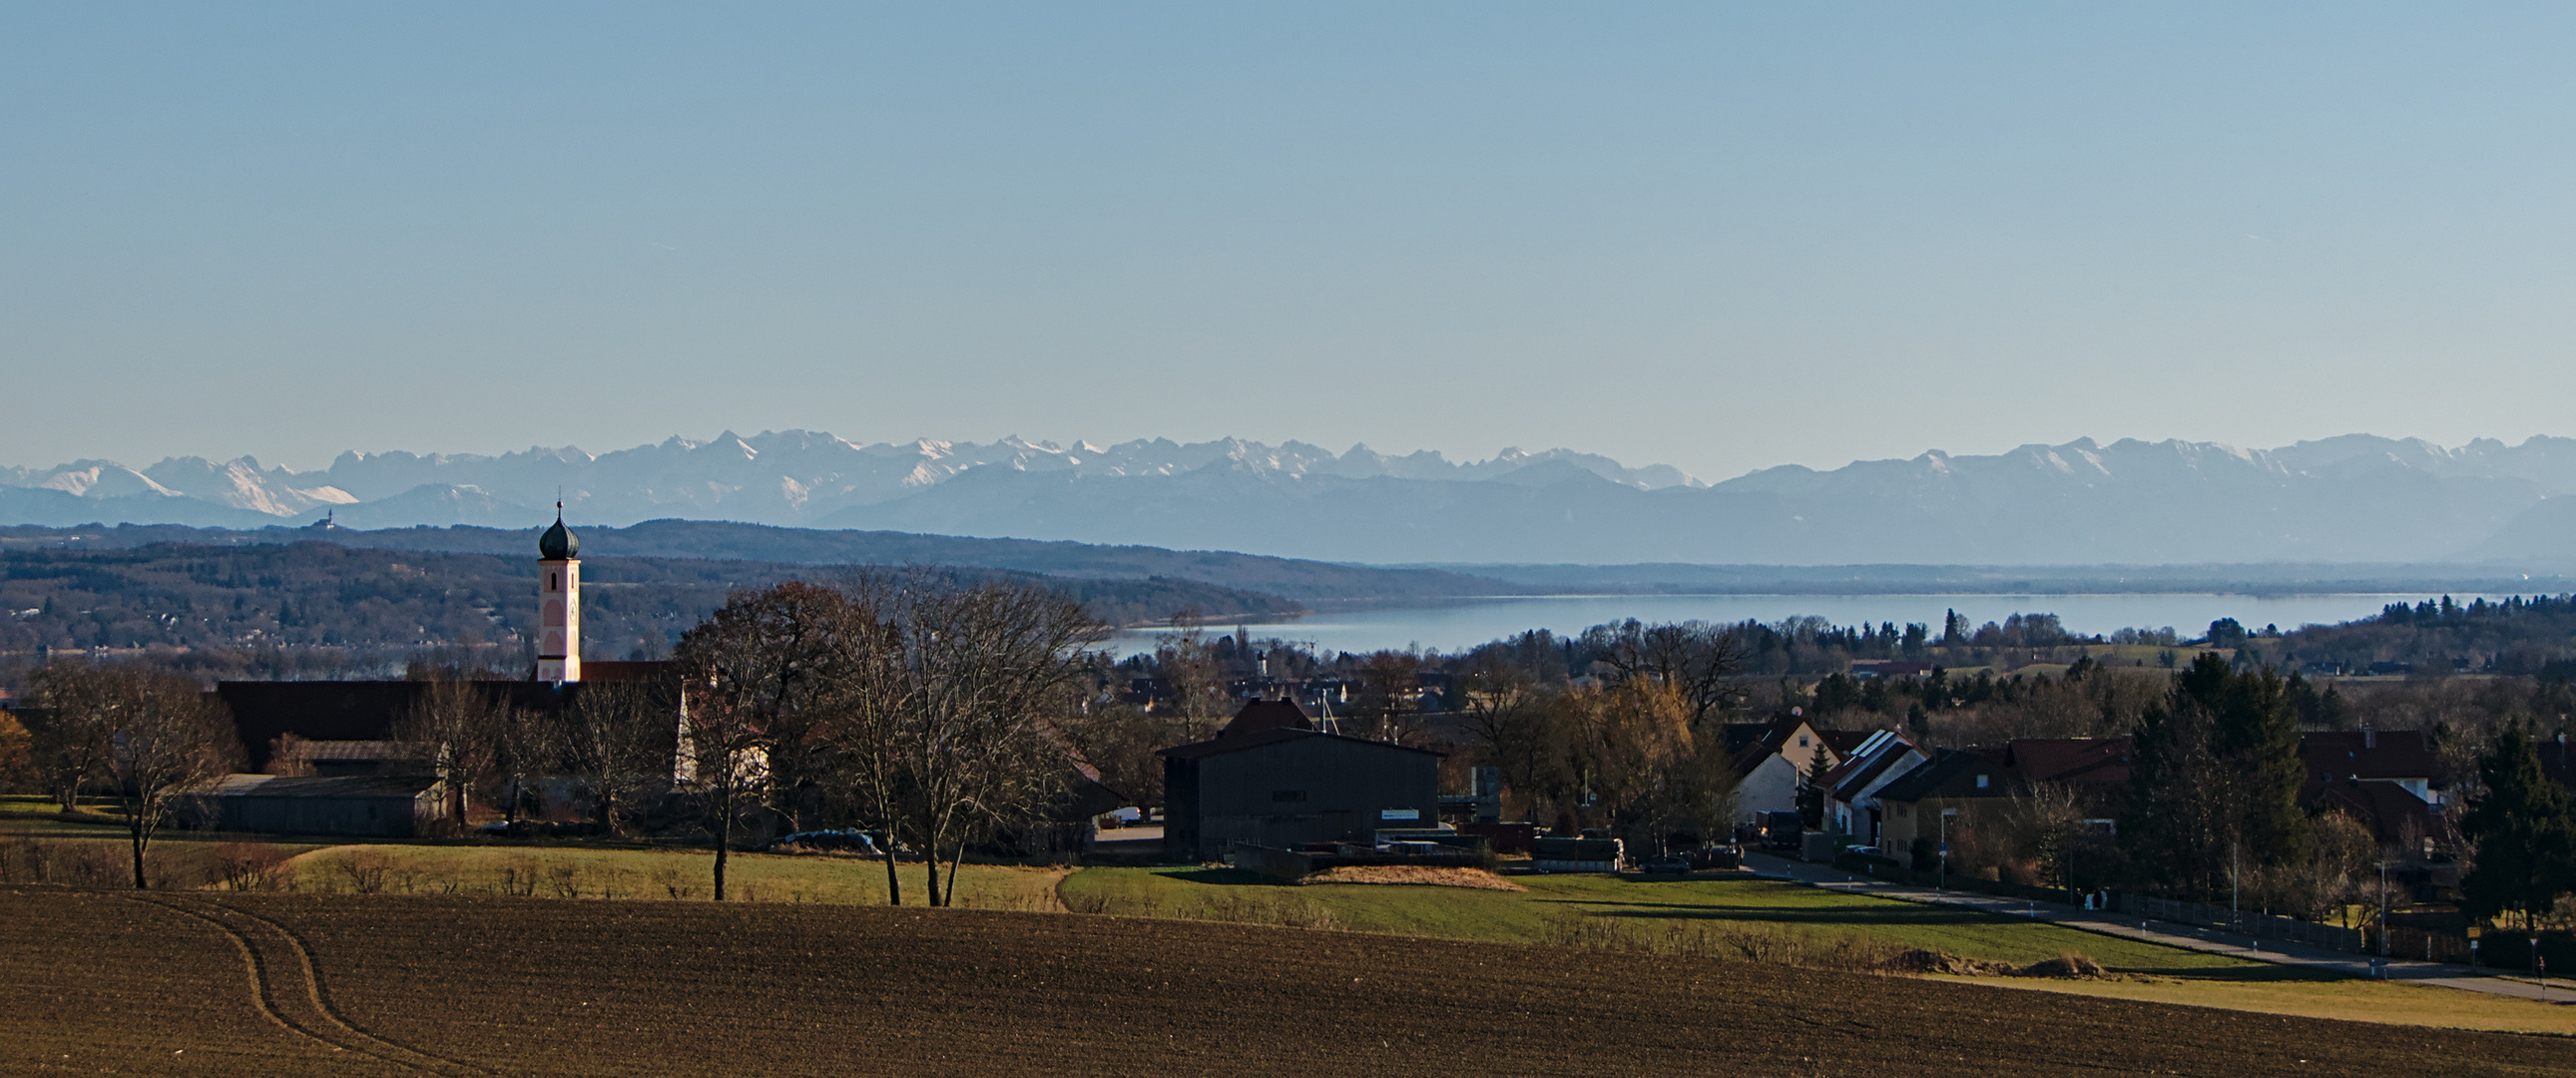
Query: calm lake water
x=1458, y=626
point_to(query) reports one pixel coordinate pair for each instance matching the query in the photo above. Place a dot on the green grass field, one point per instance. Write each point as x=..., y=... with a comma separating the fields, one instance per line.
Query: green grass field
x=575, y=872
x=1802, y=925
x=1555, y=908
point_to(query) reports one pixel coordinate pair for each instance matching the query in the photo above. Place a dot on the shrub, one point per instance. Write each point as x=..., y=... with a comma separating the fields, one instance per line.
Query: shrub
x=251, y=866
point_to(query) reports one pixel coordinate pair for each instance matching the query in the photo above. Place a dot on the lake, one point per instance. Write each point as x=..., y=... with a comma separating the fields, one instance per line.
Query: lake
x=1451, y=627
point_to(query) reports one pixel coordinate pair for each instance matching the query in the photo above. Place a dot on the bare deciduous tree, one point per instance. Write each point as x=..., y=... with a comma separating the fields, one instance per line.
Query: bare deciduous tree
x=164, y=737
x=619, y=736
x=1698, y=661
x=1390, y=695
x=730, y=693
x=1645, y=766
x=1507, y=711
x=69, y=754
x=458, y=725
x=1188, y=665
x=979, y=672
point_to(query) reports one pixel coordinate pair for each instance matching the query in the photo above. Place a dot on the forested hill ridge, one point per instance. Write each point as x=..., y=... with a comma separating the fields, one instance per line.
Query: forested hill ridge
x=2356, y=498
x=1272, y=578
x=378, y=601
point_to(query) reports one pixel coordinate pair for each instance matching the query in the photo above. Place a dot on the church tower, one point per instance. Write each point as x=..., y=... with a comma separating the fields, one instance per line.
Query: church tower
x=558, y=603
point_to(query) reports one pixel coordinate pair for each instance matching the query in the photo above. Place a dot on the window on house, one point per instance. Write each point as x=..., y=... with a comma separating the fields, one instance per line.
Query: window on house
x=1981, y=782
x=1802, y=741
x=1287, y=795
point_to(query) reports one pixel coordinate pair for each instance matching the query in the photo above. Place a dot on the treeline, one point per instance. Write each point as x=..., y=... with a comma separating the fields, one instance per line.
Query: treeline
x=2533, y=635
x=368, y=604
x=717, y=540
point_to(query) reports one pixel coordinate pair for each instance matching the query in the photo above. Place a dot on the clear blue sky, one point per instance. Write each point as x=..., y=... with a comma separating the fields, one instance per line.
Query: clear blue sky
x=1719, y=236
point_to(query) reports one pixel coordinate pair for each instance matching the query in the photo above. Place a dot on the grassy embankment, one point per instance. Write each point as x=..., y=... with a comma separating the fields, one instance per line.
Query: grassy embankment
x=1712, y=918
x=39, y=846
x=578, y=872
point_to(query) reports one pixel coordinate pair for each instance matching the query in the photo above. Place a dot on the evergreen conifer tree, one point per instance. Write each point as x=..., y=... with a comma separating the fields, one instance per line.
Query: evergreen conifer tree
x=2523, y=827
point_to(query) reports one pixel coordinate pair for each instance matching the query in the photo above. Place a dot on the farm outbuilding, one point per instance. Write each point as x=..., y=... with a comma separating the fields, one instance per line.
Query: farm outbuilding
x=1271, y=779
x=374, y=806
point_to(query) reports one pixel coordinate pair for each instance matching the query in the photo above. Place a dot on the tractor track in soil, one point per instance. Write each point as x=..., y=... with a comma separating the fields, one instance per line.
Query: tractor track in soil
x=269, y=950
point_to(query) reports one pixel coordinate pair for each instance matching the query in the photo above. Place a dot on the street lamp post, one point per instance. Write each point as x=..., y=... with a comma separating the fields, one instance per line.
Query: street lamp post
x=1944, y=876
x=2383, y=909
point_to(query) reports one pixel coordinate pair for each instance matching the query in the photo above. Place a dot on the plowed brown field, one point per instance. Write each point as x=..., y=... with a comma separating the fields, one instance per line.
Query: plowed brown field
x=94, y=982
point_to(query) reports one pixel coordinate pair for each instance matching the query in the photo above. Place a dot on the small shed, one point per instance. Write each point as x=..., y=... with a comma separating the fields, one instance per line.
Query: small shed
x=375, y=806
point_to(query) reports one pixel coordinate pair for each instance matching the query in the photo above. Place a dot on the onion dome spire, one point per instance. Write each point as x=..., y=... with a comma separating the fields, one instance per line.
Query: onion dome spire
x=558, y=543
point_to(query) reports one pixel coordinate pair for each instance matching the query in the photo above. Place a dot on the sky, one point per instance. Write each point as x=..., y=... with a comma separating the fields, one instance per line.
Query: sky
x=1719, y=236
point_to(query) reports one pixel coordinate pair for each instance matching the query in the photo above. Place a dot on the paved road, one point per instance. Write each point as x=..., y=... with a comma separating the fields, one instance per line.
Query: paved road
x=2189, y=937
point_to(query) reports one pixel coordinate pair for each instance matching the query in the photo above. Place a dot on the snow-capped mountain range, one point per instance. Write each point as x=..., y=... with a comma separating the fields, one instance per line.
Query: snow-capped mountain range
x=2349, y=499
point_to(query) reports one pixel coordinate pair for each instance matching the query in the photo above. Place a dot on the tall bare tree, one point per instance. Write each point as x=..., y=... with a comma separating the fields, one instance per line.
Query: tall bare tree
x=165, y=736
x=1390, y=694
x=1188, y=666
x=1507, y=711
x=70, y=753
x=775, y=655
x=459, y=725
x=1700, y=662
x=619, y=736
x=982, y=670
x=743, y=672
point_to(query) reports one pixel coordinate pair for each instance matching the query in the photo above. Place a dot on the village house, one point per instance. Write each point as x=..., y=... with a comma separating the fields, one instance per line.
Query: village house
x=1851, y=788
x=1771, y=761
x=1955, y=784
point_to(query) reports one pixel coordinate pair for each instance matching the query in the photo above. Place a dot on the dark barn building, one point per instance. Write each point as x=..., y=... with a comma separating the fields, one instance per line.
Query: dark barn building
x=352, y=711
x=381, y=807
x=1270, y=778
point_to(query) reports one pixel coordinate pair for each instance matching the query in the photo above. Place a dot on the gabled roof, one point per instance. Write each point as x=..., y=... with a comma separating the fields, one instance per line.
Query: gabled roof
x=624, y=669
x=2388, y=754
x=1844, y=741
x=295, y=786
x=1221, y=744
x=1749, y=743
x=363, y=750
x=2090, y=760
x=1261, y=715
x=2386, y=806
x=1950, y=773
x=1869, y=770
x=368, y=710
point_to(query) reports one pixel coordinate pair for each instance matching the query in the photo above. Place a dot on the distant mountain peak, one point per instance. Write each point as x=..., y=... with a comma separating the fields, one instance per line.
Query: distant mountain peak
x=2350, y=497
